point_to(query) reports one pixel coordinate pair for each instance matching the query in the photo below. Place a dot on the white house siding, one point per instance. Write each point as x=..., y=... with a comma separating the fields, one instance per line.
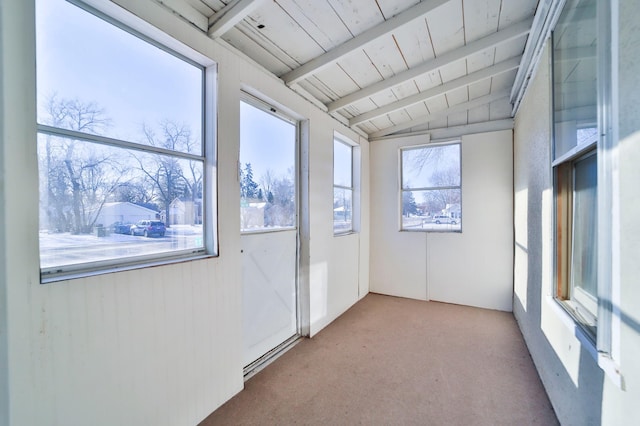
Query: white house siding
x=124, y=212
x=158, y=345
x=580, y=391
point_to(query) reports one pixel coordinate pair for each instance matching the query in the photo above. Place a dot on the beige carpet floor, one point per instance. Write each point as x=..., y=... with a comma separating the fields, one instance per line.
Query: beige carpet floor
x=393, y=361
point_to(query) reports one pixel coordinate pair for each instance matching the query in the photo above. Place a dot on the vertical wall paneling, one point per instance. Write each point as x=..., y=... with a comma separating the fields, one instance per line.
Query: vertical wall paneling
x=158, y=345
x=397, y=258
x=414, y=264
x=365, y=223
x=4, y=339
x=475, y=267
x=334, y=260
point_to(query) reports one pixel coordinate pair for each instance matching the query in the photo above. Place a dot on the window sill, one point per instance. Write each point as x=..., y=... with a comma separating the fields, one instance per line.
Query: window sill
x=267, y=230
x=342, y=234
x=611, y=369
x=434, y=231
x=587, y=340
x=110, y=270
x=604, y=361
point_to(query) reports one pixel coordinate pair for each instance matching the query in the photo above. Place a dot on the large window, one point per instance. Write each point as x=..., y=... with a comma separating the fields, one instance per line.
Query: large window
x=575, y=159
x=124, y=164
x=431, y=196
x=343, y=186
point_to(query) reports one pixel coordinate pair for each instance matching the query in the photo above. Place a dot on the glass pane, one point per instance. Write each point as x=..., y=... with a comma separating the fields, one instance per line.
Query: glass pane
x=342, y=210
x=431, y=167
x=574, y=76
x=342, y=164
x=97, y=78
x=98, y=203
x=585, y=237
x=435, y=210
x=267, y=170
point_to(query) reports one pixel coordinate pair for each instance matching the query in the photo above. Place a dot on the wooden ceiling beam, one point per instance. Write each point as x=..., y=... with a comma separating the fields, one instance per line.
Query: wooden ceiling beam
x=474, y=77
x=514, y=31
x=360, y=41
x=188, y=12
x=465, y=106
x=227, y=17
x=457, y=131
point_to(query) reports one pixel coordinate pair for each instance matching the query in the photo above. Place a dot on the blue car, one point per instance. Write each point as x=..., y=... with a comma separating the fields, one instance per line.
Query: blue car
x=148, y=228
x=121, y=228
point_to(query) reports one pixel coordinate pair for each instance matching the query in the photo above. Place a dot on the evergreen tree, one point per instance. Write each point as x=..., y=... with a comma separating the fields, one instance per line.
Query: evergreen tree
x=409, y=205
x=248, y=187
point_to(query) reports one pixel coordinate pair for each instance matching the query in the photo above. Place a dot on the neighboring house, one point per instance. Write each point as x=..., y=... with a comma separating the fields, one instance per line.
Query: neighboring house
x=453, y=210
x=124, y=212
x=252, y=214
x=185, y=212
x=340, y=213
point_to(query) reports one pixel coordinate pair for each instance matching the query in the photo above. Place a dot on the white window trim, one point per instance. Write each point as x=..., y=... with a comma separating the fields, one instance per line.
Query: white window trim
x=137, y=27
x=402, y=190
x=355, y=183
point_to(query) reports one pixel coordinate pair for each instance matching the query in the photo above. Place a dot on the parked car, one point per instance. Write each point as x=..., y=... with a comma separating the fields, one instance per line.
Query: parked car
x=121, y=227
x=148, y=228
x=438, y=219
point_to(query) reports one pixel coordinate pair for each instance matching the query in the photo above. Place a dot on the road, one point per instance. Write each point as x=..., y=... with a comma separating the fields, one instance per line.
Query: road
x=424, y=223
x=58, y=249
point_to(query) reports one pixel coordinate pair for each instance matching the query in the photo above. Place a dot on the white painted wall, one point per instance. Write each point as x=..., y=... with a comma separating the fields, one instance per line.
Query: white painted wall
x=473, y=267
x=11, y=123
x=568, y=371
x=398, y=259
x=622, y=407
x=580, y=391
x=158, y=345
x=365, y=217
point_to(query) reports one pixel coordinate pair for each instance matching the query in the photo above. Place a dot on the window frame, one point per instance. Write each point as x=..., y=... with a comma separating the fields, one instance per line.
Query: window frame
x=337, y=138
x=135, y=27
x=434, y=188
x=578, y=308
x=604, y=335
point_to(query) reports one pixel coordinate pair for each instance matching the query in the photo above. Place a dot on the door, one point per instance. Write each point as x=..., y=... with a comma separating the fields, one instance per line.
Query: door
x=269, y=229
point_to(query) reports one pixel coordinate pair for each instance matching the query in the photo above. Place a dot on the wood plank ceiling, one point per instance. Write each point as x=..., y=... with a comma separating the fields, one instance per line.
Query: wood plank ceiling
x=384, y=67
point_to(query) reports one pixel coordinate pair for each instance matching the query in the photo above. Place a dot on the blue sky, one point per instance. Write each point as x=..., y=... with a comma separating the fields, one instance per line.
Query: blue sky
x=342, y=164
x=266, y=141
x=81, y=56
x=421, y=165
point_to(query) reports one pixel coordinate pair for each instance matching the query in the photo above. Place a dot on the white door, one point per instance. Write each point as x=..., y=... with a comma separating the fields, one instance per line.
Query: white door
x=269, y=232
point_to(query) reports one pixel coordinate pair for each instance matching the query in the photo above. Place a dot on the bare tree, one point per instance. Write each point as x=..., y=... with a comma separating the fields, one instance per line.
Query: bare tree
x=137, y=191
x=79, y=176
x=417, y=159
x=267, y=182
x=74, y=114
x=281, y=207
x=171, y=177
